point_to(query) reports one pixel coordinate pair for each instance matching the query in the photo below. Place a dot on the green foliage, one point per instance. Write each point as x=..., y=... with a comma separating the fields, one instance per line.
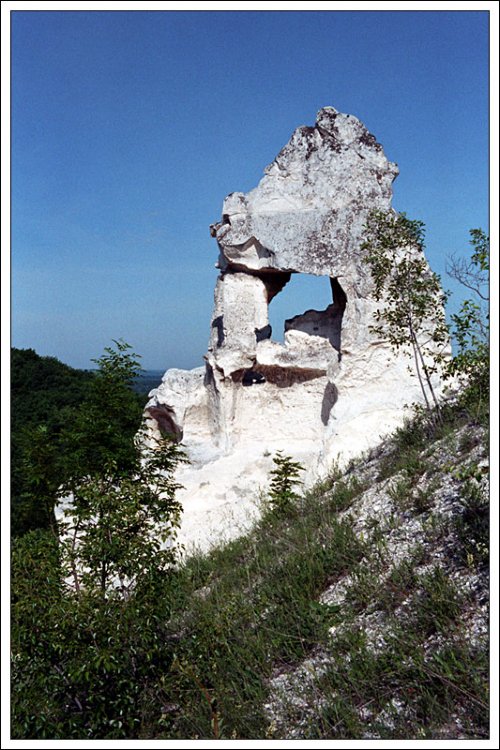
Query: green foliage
x=437, y=603
x=61, y=419
x=90, y=608
x=188, y=651
x=44, y=395
x=411, y=318
x=40, y=466
x=285, y=476
x=101, y=431
x=470, y=325
x=343, y=493
x=112, y=641
x=82, y=666
x=402, y=692
x=403, y=452
x=41, y=386
x=401, y=580
x=473, y=524
x=117, y=522
x=249, y=605
x=481, y=254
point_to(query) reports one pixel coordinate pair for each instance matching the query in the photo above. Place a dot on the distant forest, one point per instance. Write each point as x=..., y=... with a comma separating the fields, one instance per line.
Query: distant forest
x=44, y=395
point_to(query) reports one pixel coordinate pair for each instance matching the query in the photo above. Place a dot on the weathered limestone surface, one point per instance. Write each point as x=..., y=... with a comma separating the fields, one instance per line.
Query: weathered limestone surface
x=332, y=389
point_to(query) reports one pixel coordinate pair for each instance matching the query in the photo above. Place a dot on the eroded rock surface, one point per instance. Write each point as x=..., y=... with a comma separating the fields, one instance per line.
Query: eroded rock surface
x=331, y=389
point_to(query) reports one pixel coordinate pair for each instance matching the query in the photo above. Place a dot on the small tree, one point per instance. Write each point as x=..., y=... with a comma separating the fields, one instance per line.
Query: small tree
x=284, y=478
x=123, y=505
x=412, y=317
x=470, y=326
x=101, y=432
x=118, y=521
x=89, y=610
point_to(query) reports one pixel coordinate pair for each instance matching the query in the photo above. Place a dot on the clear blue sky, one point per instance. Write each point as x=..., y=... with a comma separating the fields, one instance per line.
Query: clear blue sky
x=129, y=128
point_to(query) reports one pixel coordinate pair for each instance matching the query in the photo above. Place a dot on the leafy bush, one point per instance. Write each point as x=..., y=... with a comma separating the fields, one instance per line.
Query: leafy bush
x=90, y=606
x=82, y=664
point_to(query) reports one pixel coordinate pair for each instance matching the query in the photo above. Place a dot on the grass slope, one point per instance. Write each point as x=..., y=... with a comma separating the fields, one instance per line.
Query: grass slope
x=362, y=613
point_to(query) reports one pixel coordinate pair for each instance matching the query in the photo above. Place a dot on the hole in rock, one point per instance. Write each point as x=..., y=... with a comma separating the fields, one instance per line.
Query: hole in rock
x=251, y=377
x=312, y=304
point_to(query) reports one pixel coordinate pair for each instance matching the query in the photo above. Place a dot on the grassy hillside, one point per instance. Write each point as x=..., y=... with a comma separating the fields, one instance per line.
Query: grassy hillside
x=361, y=614
x=43, y=392
x=40, y=386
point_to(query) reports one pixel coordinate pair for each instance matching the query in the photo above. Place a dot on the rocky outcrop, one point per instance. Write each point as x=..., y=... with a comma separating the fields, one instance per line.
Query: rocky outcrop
x=332, y=388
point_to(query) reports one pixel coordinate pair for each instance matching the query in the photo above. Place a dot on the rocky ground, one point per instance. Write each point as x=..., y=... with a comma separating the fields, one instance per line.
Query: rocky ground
x=424, y=581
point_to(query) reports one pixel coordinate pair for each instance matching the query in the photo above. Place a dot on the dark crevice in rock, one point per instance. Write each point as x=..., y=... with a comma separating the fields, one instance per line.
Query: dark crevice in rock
x=164, y=416
x=252, y=377
x=218, y=323
x=285, y=377
x=275, y=281
x=330, y=398
x=261, y=334
x=282, y=377
x=209, y=374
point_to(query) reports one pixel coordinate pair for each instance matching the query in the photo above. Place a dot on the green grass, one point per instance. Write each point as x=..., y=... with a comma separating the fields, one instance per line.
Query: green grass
x=401, y=691
x=260, y=611
x=252, y=607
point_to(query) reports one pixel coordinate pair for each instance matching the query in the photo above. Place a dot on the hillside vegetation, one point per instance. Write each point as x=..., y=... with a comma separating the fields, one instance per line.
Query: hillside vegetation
x=44, y=392
x=360, y=612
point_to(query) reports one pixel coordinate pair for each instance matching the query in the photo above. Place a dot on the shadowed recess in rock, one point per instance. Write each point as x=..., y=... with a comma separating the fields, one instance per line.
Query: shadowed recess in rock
x=165, y=419
x=330, y=397
x=218, y=324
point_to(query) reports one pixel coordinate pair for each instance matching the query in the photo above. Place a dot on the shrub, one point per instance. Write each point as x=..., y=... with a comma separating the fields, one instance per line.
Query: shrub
x=285, y=476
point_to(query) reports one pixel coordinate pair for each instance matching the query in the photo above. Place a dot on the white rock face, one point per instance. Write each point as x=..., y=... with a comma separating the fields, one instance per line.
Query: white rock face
x=332, y=389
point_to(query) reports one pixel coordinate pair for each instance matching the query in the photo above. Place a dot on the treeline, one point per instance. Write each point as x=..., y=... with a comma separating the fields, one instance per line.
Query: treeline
x=46, y=395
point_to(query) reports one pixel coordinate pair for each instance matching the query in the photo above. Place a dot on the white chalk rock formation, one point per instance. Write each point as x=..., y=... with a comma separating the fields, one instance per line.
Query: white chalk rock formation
x=332, y=389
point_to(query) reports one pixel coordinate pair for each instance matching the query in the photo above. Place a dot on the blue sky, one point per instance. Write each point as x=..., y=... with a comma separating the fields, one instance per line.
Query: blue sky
x=129, y=128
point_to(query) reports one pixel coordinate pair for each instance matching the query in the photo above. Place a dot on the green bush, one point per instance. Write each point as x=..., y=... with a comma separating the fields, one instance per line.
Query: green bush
x=285, y=476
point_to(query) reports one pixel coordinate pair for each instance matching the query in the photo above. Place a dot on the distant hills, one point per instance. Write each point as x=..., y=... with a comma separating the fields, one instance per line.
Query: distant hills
x=148, y=380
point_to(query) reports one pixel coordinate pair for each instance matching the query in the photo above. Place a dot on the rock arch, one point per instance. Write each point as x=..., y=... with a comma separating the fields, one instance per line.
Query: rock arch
x=331, y=388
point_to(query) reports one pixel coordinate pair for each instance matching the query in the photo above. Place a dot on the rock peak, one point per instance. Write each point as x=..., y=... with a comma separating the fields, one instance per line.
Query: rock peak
x=332, y=388
x=308, y=212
